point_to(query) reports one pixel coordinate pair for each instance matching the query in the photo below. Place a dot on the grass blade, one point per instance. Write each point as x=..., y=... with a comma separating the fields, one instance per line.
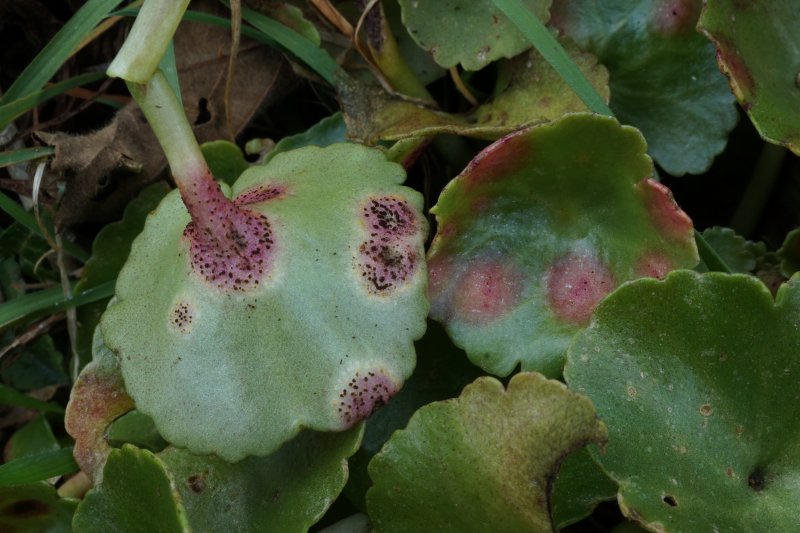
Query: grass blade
x=11, y=110
x=12, y=157
x=272, y=33
x=540, y=37
x=49, y=301
x=11, y=396
x=33, y=468
x=26, y=219
x=309, y=53
x=58, y=50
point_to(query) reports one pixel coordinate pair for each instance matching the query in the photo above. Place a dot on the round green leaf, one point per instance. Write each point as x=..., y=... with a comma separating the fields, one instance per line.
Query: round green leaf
x=698, y=378
x=320, y=341
x=538, y=229
x=470, y=32
x=757, y=48
x=738, y=253
x=483, y=461
x=286, y=491
x=664, y=79
x=580, y=486
x=136, y=495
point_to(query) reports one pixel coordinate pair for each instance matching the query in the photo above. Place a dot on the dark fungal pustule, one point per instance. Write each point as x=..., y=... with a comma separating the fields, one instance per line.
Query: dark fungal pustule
x=230, y=247
x=388, y=257
x=181, y=317
x=364, y=394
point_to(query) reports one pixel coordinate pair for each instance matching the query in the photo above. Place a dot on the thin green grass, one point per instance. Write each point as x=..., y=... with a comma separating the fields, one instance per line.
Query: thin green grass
x=20, y=106
x=33, y=468
x=58, y=50
x=27, y=219
x=49, y=301
x=11, y=396
x=540, y=37
x=13, y=157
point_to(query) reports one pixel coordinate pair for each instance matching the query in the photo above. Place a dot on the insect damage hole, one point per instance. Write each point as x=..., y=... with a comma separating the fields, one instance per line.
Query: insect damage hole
x=670, y=500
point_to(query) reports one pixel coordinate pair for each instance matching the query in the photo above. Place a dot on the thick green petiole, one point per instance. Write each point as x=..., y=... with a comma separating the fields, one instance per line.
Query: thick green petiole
x=137, y=60
x=168, y=120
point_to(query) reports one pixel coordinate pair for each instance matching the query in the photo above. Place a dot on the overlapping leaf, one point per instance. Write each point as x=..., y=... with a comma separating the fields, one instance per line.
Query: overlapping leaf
x=483, y=461
x=538, y=229
x=757, y=48
x=322, y=342
x=664, y=79
x=534, y=93
x=698, y=378
x=177, y=491
x=472, y=33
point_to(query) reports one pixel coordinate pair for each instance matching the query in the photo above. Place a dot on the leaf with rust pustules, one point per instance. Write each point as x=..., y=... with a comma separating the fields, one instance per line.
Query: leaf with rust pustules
x=538, y=229
x=293, y=305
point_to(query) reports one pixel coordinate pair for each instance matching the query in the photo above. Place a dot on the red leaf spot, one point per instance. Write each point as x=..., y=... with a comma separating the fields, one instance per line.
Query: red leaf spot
x=363, y=394
x=487, y=291
x=576, y=283
x=498, y=160
x=388, y=257
x=389, y=216
x=653, y=265
x=733, y=65
x=673, y=17
x=667, y=217
x=231, y=247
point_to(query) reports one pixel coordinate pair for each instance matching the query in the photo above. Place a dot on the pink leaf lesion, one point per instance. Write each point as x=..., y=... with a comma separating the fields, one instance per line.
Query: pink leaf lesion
x=366, y=391
x=231, y=247
x=388, y=257
x=576, y=284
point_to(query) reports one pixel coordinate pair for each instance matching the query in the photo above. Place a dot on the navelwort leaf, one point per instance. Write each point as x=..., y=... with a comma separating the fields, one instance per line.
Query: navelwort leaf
x=483, y=461
x=757, y=49
x=234, y=364
x=472, y=33
x=698, y=379
x=663, y=77
x=287, y=491
x=540, y=227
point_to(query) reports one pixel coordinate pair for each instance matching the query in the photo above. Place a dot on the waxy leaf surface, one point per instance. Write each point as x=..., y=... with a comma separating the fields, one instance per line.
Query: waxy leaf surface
x=664, y=79
x=540, y=227
x=323, y=337
x=758, y=49
x=483, y=461
x=698, y=380
x=472, y=33
x=286, y=491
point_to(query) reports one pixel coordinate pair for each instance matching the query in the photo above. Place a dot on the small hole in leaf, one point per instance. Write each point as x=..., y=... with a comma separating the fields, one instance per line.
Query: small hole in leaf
x=203, y=114
x=670, y=500
x=756, y=480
